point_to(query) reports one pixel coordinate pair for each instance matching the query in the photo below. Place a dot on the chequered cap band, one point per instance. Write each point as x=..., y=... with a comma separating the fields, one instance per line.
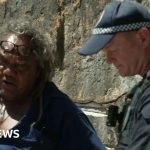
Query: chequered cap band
x=126, y=27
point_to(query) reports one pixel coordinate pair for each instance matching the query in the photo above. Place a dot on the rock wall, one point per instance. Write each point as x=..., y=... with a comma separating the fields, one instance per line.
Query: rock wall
x=89, y=81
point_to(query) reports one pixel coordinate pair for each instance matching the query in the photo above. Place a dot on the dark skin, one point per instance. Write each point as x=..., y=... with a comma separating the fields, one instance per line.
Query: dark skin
x=16, y=81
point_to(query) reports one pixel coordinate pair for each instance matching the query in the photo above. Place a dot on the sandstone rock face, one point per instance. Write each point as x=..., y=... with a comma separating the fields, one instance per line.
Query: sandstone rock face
x=89, y=81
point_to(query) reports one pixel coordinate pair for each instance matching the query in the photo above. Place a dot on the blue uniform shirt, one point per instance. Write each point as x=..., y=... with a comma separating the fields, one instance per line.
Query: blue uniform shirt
x=63, y=126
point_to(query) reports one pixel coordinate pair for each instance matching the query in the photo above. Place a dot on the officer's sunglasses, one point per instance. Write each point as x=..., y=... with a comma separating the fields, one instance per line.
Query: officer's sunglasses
x=9, y=47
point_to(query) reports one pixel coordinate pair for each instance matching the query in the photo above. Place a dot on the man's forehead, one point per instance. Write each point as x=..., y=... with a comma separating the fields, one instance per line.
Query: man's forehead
x=117, y=37
x=9, y=36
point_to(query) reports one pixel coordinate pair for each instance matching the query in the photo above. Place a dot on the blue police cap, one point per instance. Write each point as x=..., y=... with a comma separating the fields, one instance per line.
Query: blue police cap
x=116, y=17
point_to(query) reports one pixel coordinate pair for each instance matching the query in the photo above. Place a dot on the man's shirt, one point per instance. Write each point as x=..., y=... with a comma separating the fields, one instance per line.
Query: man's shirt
x=63, y=126
x=138, y=126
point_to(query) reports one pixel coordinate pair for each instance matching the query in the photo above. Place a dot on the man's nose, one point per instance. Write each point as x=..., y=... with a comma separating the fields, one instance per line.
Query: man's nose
x=9, y=59
x=109, y=59
x=8, y=65
x=1, y=69
x=108, y=56
x=9, y=72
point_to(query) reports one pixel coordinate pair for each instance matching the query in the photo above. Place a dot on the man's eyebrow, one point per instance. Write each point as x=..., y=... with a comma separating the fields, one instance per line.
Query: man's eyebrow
x=106, y=48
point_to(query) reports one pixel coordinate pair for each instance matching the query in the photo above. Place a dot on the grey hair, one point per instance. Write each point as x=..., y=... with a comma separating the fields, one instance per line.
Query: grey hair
x=41, y=48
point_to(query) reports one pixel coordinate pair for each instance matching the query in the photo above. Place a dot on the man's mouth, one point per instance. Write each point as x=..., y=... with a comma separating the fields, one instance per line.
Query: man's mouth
x=7, y=84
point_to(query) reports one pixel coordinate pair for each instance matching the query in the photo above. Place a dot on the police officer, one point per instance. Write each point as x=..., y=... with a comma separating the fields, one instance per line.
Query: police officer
x=123, y=33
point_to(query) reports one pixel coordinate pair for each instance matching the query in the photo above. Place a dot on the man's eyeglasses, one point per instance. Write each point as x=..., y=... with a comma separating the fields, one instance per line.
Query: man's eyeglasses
x=22, y=50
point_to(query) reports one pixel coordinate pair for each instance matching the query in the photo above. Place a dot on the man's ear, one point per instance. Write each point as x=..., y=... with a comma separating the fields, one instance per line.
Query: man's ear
x=143, y=35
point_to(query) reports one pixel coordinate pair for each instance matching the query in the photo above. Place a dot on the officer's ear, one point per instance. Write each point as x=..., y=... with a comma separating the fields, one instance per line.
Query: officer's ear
x=143, y=35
